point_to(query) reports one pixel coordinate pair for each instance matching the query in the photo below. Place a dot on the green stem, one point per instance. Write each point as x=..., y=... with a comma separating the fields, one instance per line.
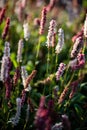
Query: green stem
x=38, y=48
x=56, y=62
x=48, y=59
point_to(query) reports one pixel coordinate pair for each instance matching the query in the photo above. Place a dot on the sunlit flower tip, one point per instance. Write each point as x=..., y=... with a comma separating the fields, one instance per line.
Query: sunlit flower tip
x=73, y=63
x=23, y=3
x=26, y=31
x=66, y=122
x=60, y=71
x=15, y=120
x=57, y=126
x=79, y=34
x=85, y=27
x=51, y=5
x=51, y=32
x=43, y=21
x=20, y=48
x=60, y=43
x=7, y=49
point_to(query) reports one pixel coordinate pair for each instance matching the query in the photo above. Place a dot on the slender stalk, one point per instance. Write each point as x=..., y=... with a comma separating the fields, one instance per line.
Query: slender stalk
x=38, y=48
x=48, y=59
x=56, y=61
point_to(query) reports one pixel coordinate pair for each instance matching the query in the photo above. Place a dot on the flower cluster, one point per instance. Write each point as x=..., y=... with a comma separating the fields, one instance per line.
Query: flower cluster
x=43, y=21
x=60, y=71
x=60, y=41
x=51, y=32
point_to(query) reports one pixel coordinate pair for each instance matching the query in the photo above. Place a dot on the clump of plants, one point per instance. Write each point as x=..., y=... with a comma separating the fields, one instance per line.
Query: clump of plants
x=42, y=78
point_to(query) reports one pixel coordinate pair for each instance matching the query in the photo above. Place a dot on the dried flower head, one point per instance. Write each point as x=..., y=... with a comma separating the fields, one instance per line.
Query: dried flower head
x=60, y=41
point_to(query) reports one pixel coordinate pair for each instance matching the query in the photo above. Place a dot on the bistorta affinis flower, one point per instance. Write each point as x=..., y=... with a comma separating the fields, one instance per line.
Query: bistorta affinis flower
x=77, y=47
x=26, y=31
x=7, y=49
x=19, y=53
x=63, y=95
x=15, y=120
x=24, y=75
x=85, y=27
x=2, y=14
x=42, y=21
x=51, y=5
x=30, y=77
x=80, y=62
x=17, y=76
x=60, y=71
x=66, y=122
x=6, y=29
x=51, y=32
x=57, y=126
x=60, y=43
